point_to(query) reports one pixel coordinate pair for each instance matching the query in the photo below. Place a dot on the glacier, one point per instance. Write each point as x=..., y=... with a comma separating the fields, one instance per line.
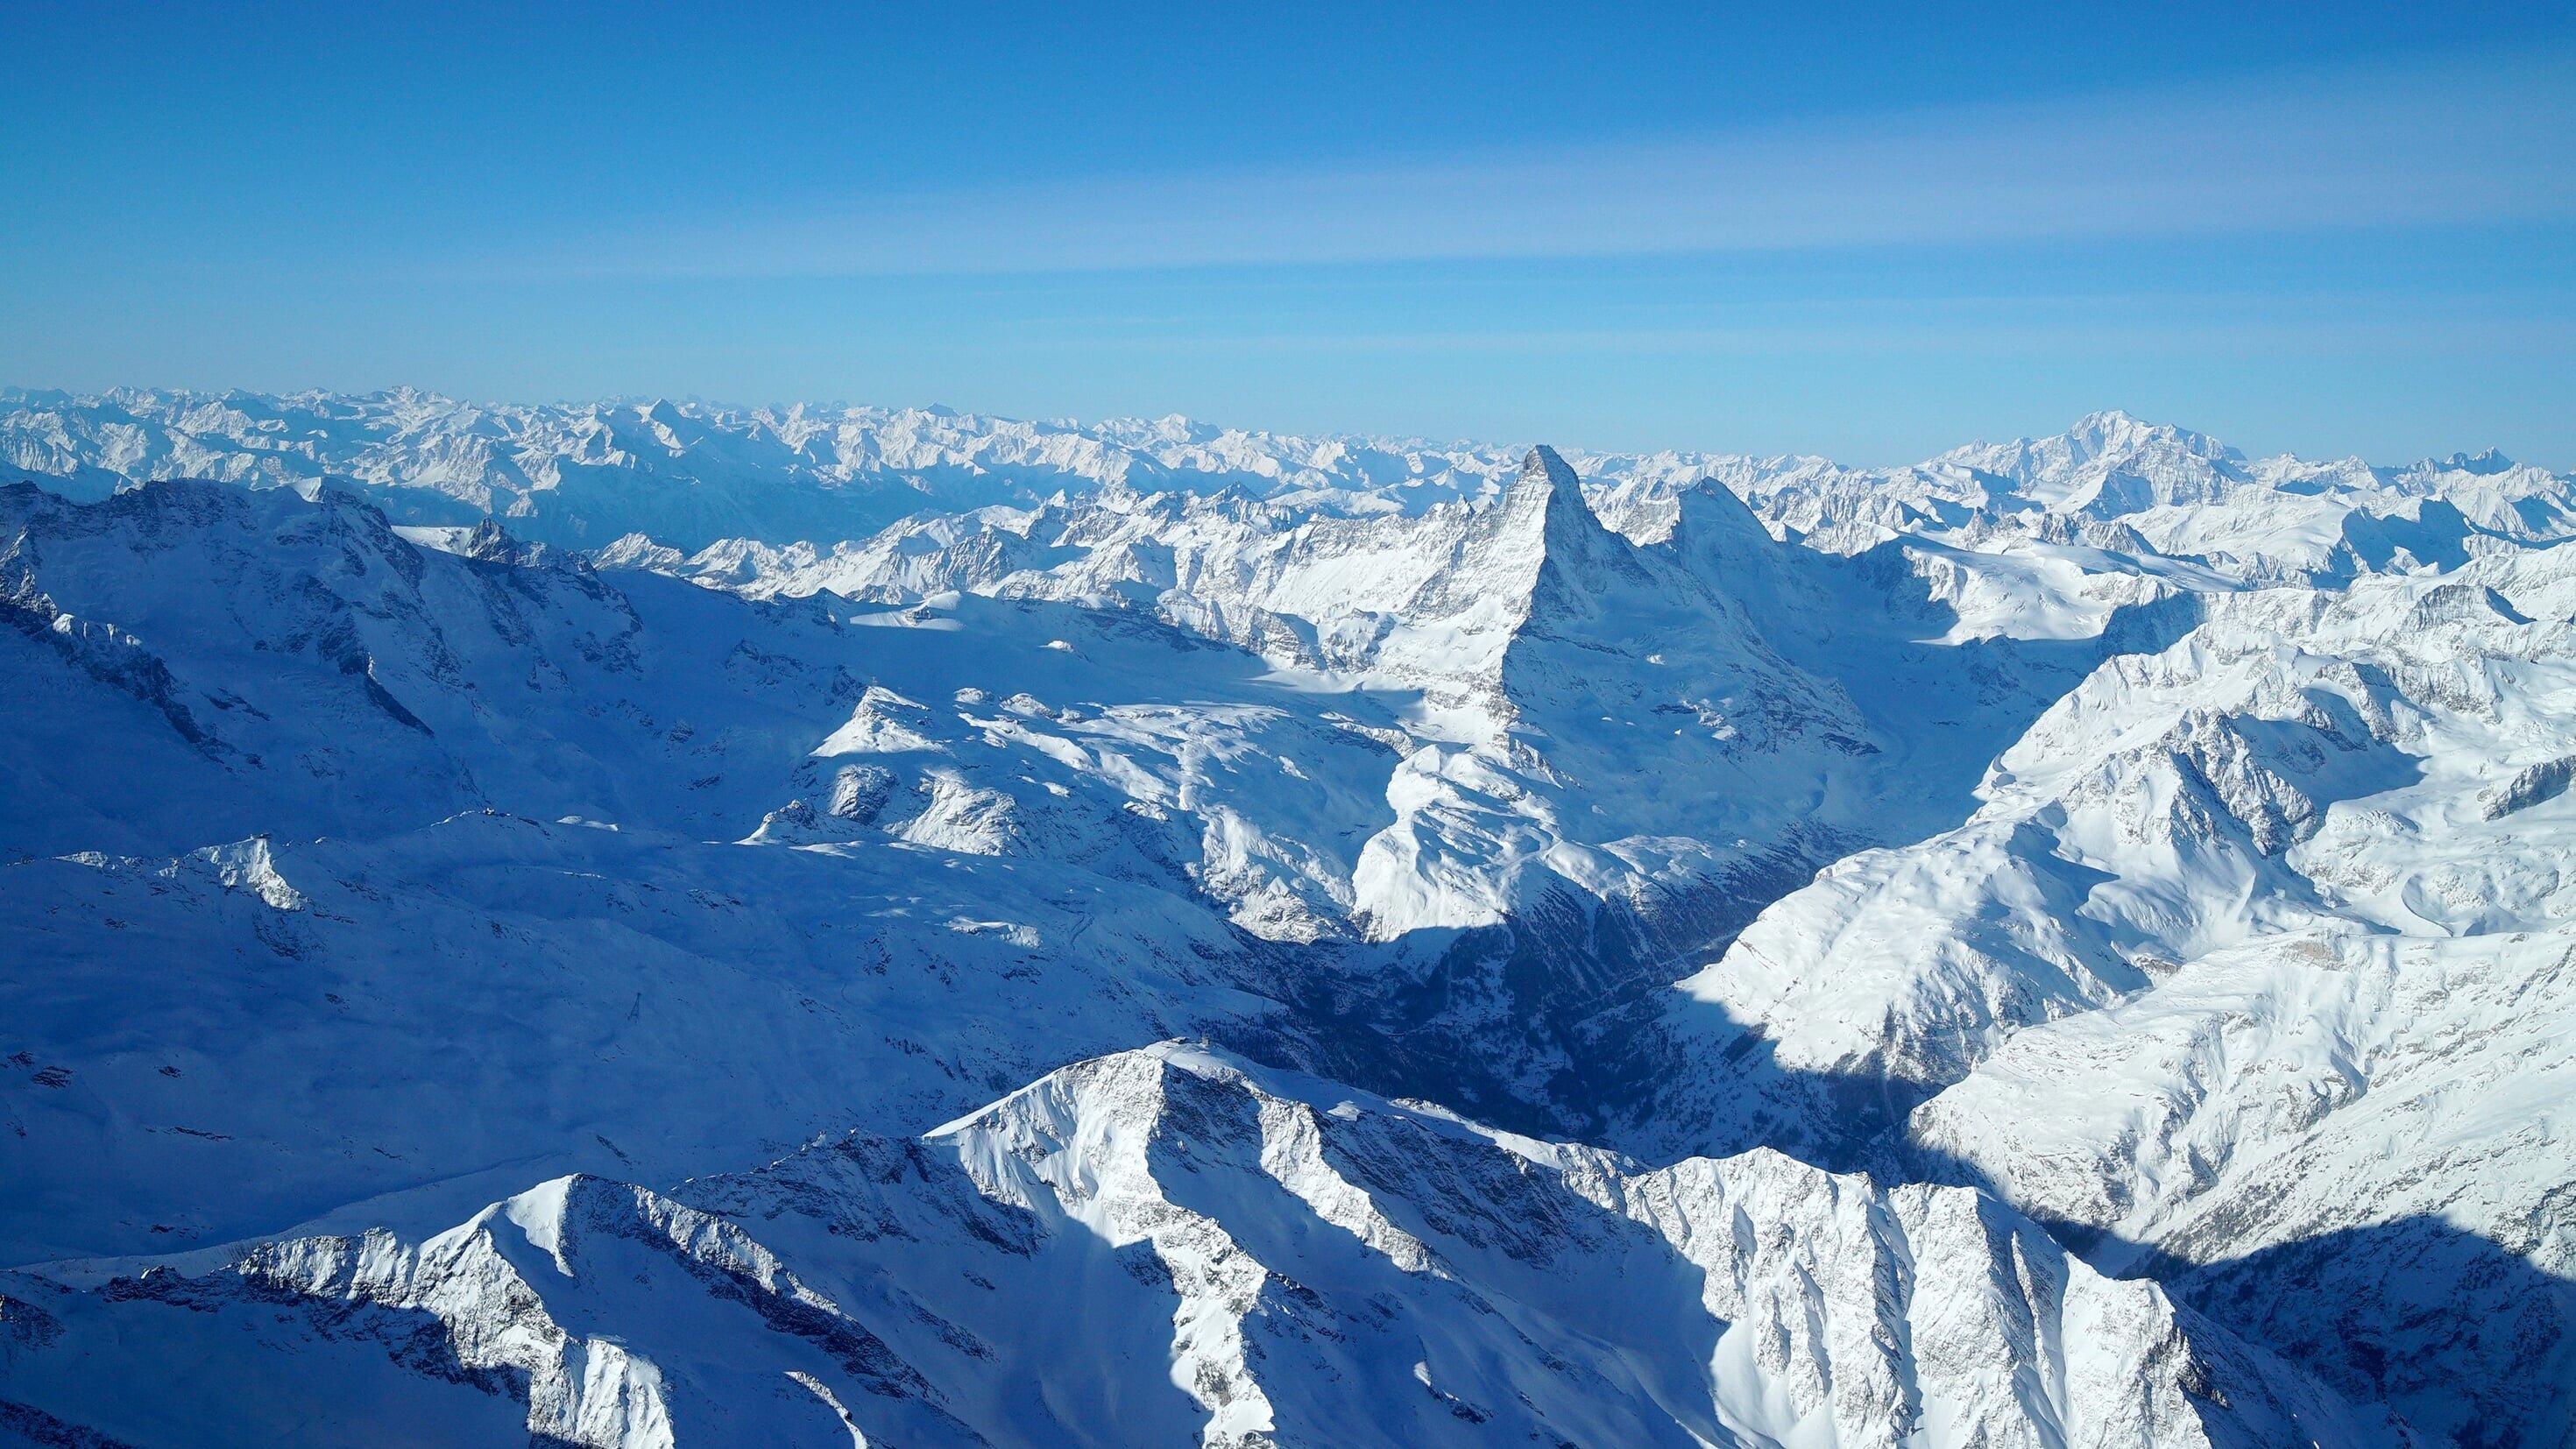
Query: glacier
x=650, y=923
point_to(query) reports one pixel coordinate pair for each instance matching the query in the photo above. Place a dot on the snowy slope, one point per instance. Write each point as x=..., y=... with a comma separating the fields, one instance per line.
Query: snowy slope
x=1168, y=1245
x=2358, y=1143
x=523, y=818
x=2375, y=759
x=2217, y=968
x=256, y=1034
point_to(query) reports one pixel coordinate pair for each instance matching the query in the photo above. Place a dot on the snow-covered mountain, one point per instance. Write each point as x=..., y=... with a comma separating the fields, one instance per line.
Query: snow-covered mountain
x=1166, y=1245
x=641, y=924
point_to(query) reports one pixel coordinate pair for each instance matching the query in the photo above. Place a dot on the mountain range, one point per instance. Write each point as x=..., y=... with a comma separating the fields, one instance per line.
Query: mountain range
x=656, y=924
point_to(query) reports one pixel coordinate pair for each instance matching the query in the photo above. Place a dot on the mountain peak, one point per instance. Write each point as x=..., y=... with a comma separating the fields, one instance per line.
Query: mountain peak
x=1543, y=463
x=2069, y=466
x=2483, y=462
x=1548, y=485
x=2115, y=429
x=491, y=543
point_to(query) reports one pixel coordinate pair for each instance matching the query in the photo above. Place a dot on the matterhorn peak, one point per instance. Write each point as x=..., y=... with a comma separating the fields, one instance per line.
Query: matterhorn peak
x=1549, y=496
x=1569, y=518
x=1544, y=463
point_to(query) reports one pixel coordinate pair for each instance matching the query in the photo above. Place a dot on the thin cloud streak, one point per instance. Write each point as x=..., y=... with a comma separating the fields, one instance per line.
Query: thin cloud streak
x=2459, y=143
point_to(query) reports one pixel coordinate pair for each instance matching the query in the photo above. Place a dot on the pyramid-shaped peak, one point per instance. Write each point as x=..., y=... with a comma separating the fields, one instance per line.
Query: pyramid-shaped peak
x=492, y=543
x=1543, y=463
x=1567, y=515
x=1545, y=506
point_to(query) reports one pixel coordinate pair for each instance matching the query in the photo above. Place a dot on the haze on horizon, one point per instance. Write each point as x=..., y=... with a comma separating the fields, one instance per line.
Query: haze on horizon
x=1865, y=234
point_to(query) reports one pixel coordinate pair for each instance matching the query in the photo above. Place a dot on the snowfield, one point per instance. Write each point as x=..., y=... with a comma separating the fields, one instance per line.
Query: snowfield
x=654, y=924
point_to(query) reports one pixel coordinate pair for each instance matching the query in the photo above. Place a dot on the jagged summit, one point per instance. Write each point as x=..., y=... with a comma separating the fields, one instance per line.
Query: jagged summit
x=1250, y=1257
x=1543, y=461
x=2483, y=462
x=1548, y=492
x=2108, y=463
x=489, y=541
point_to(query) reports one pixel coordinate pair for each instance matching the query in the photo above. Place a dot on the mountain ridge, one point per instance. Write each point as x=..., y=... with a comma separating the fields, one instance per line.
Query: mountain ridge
x=2172, y=863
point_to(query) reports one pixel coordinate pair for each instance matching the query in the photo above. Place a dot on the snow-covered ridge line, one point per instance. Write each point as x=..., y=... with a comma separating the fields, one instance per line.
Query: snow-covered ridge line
x=689, y=474
x=1172, y=1244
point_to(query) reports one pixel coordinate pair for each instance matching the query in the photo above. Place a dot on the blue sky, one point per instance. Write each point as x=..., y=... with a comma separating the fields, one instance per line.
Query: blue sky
x=1870, y=232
